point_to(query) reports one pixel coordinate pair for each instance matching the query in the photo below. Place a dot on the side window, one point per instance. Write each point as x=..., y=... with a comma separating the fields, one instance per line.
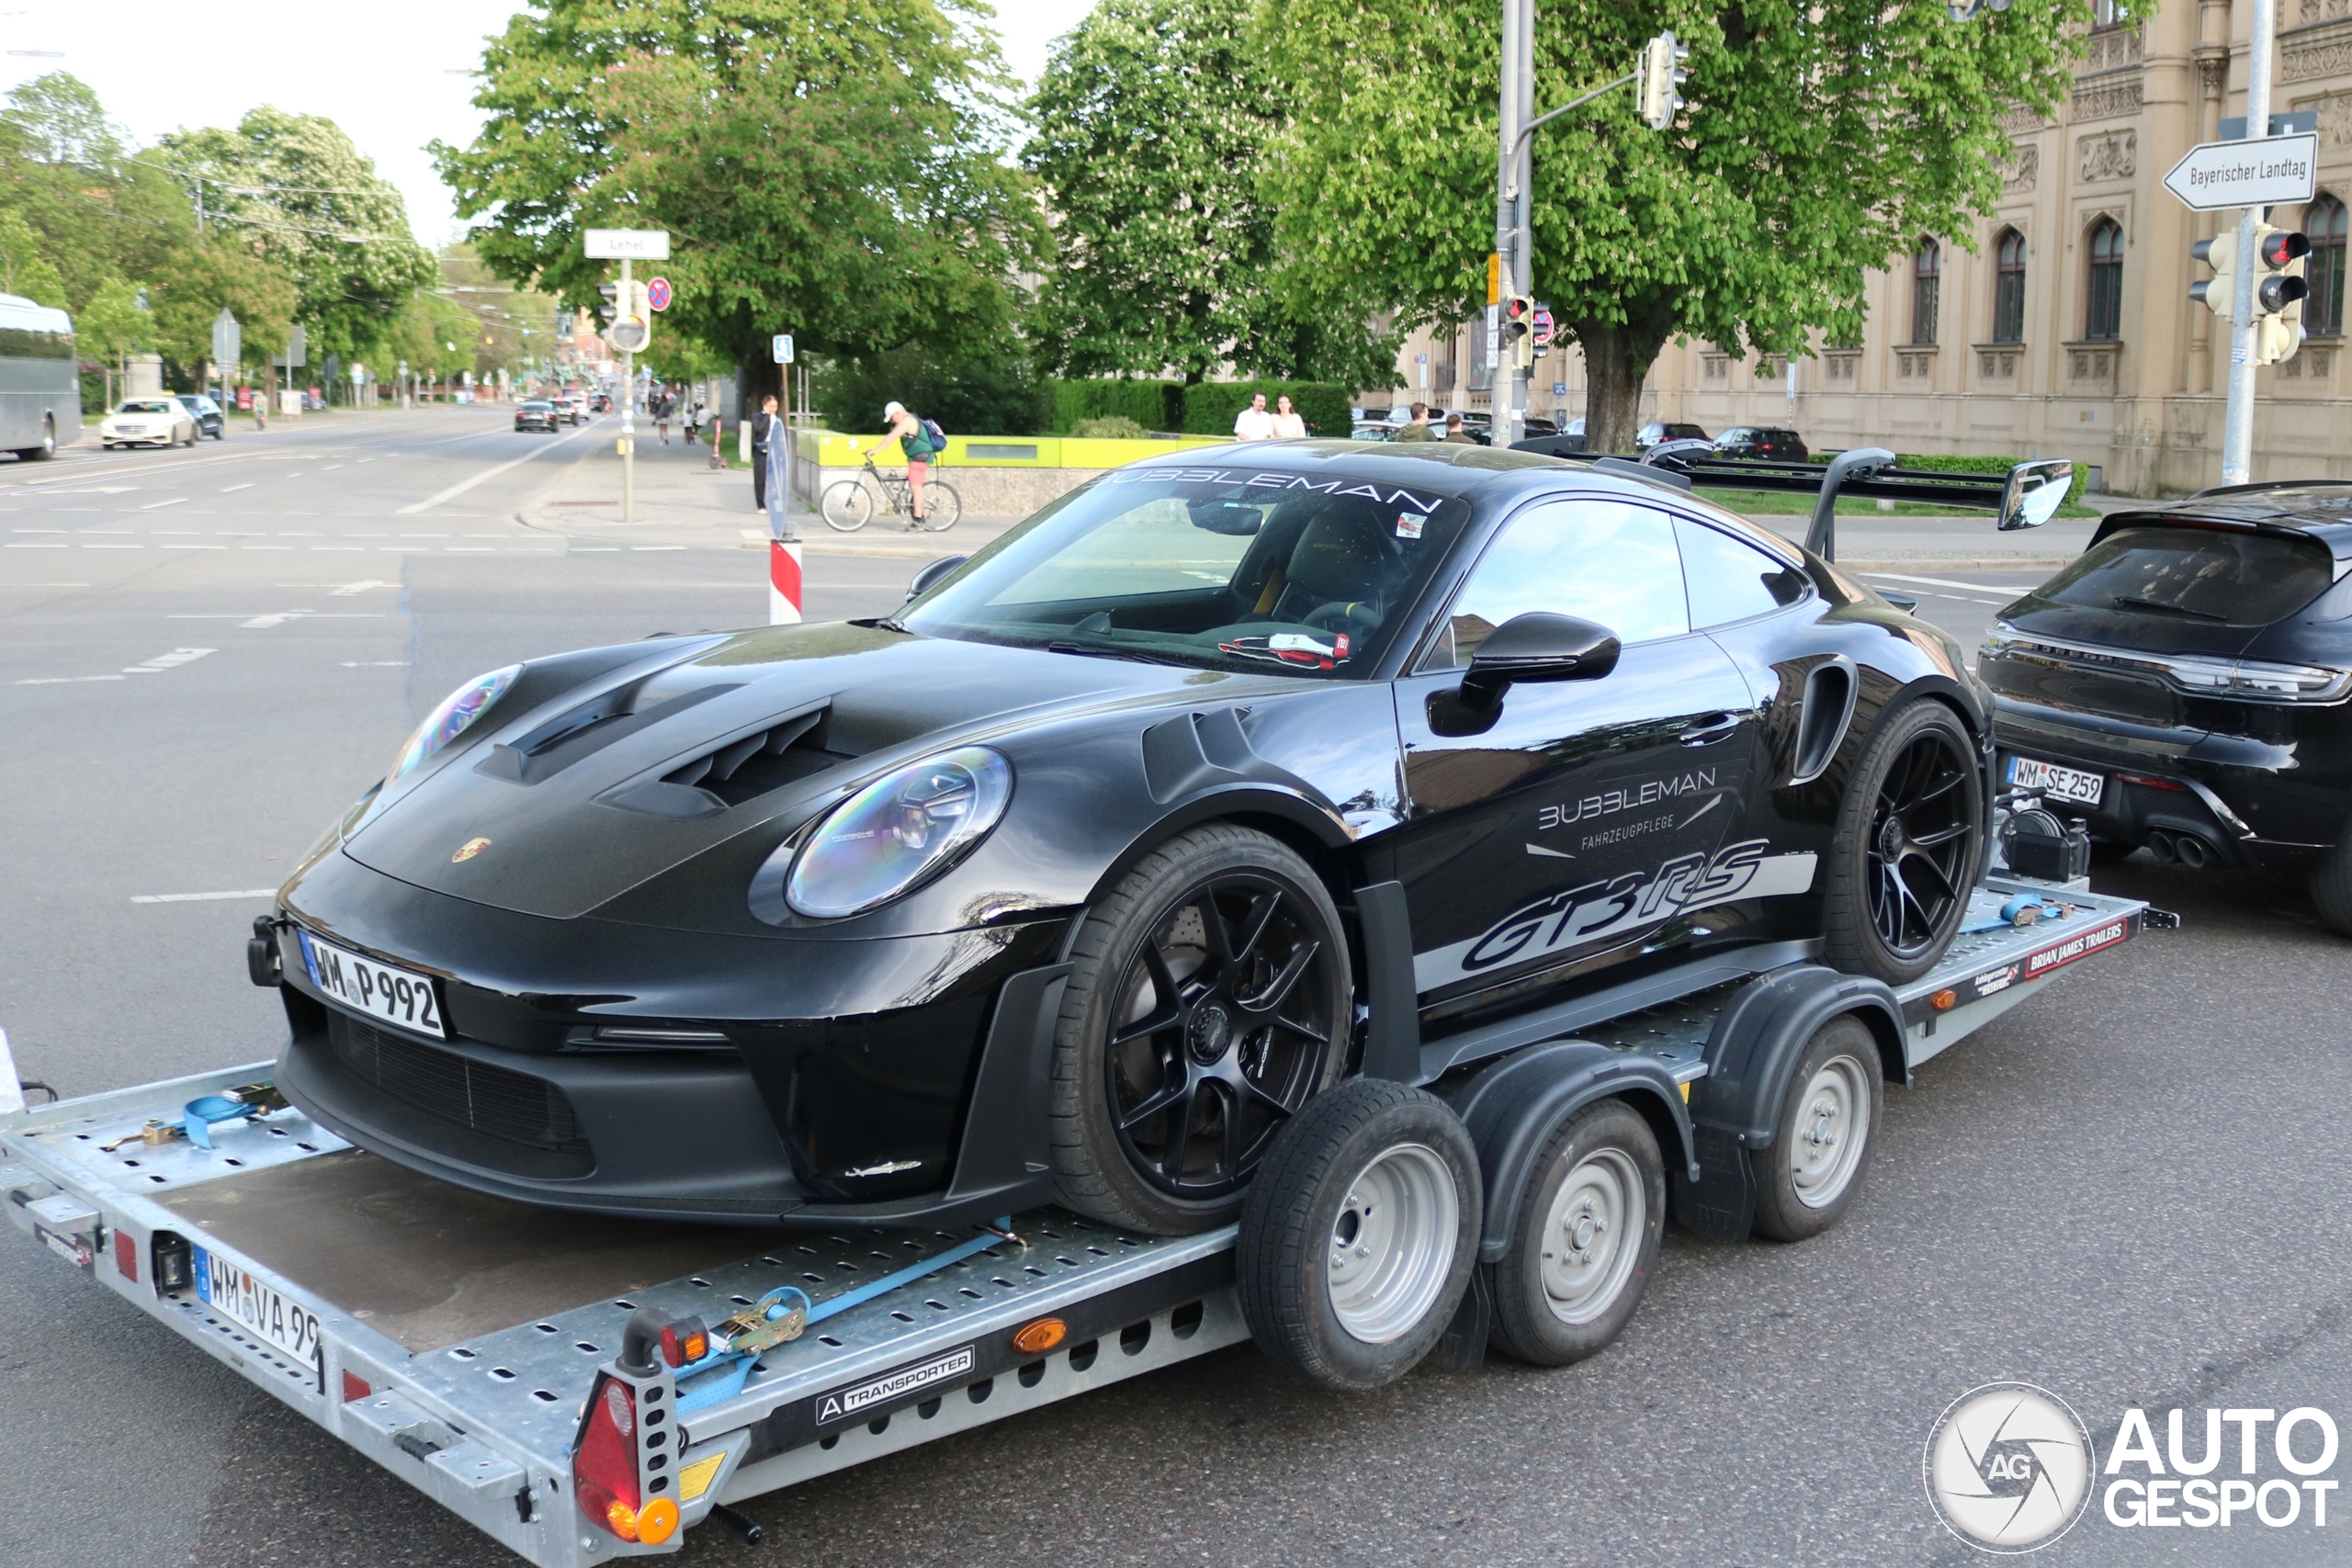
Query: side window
x=1729, y=579
x=1607, y=561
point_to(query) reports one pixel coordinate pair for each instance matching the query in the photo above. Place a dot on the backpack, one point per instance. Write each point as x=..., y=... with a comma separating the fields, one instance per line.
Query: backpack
x=933, y=433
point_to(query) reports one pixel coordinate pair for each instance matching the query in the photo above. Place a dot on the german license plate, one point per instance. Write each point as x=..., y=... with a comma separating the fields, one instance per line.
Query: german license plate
x=284, y=1325
x=398, y=997
x=2057, y=782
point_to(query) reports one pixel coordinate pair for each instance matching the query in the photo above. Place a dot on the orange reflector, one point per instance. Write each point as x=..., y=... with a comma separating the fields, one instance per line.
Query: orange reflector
x=657, y=1521
x=1944, y=1001
x=1036, y=1338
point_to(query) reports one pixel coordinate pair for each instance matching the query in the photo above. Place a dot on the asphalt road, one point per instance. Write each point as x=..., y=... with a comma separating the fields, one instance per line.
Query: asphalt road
x=2128, y=1190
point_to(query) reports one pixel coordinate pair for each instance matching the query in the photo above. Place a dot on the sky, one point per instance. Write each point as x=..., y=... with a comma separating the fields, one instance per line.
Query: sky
x=395, y=77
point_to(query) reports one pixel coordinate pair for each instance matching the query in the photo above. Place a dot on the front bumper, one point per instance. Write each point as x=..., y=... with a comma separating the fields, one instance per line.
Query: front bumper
x=2277, y=802
x=844, y=1090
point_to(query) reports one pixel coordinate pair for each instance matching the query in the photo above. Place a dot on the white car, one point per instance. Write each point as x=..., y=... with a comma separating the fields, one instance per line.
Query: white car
x=162, y=421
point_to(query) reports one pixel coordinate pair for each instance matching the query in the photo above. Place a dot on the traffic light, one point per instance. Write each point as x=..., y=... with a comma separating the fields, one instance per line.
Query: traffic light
x=2279, y=293
x=2218, y=293
x=611, y=308
x=1518, y=325
x=1661, y=74
x=632, y=326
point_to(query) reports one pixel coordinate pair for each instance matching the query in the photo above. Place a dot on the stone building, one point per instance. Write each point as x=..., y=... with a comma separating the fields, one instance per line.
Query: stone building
x=2061, y=325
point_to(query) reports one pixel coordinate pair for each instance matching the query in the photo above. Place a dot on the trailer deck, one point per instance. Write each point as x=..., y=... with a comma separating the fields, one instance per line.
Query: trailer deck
x=454, y=1337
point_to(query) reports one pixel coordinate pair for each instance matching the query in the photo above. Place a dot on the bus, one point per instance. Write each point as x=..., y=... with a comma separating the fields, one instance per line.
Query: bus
x=40, y=383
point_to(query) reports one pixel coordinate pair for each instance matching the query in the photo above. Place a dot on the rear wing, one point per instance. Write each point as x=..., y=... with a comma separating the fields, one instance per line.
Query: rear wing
x=2026, y=497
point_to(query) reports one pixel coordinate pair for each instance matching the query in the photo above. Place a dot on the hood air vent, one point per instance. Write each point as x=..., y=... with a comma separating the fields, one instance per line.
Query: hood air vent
x=586, y=729
x=738, y=770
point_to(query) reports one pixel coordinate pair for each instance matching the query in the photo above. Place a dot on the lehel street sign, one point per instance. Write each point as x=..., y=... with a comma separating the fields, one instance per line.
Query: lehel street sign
x=2265, y=173
x=657, y=294
x=628, y=245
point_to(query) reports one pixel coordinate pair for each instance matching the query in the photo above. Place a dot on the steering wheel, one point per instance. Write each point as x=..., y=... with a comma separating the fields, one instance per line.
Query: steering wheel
x=1353, y=616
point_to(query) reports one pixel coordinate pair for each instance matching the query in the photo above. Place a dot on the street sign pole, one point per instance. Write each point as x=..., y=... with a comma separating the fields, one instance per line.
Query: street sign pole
x=2237, y=424
x=629, y=414
x=1514, y=163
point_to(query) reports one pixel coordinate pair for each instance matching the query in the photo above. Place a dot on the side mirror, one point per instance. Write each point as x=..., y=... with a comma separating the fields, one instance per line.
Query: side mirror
x=1537, y=646
x=932, y=576
x=2035, y=492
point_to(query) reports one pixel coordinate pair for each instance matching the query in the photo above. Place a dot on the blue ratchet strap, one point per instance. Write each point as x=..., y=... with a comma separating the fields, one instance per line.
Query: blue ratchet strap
x=197, y=1116
x=2011, y=909
x=722, y=1373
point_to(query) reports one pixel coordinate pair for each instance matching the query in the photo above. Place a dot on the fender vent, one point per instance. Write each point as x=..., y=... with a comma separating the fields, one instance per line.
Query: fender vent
x=1822, y=722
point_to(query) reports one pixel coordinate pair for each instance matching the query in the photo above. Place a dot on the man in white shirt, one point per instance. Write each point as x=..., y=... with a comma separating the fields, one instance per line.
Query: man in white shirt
x=1254, y=424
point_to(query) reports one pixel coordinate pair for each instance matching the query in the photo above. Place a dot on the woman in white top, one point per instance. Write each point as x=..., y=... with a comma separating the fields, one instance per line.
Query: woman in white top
x=1288, y=426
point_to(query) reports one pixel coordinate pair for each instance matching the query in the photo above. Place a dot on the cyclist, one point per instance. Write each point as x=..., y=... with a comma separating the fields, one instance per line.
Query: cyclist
x=914, y=444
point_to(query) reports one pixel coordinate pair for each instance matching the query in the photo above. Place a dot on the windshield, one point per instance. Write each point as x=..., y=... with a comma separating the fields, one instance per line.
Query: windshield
x=148, y=405
x=2191, y=573
x=1309, y=576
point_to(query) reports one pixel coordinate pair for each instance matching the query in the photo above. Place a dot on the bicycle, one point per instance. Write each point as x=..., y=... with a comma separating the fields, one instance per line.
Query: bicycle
x=847, y=505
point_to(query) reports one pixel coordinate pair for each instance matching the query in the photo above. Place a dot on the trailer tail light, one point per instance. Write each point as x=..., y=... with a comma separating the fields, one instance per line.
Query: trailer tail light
x=1036, y=1338
x=684, y=1342
x=1944, y=1000
x=126, y=1255
x=605, y=1465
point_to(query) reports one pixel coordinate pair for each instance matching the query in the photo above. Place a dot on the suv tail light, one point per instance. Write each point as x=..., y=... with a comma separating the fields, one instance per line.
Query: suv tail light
x=606, y=1460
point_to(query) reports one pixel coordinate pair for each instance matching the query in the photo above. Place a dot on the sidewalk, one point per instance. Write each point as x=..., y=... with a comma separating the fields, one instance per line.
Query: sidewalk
x=683, y=503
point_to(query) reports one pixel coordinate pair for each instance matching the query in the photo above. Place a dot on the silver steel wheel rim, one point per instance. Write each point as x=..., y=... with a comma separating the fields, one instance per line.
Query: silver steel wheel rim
x=1392, y=1244
x=1825, y=1146
x=1591, y=1237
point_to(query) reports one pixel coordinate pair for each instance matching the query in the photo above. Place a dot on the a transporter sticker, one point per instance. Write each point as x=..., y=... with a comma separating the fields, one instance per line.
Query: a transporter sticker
x=846, y=1404
x=1604, y=907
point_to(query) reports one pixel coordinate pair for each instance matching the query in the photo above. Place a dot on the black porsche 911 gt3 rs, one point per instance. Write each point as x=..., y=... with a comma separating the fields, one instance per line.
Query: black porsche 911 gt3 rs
x=1219, y=779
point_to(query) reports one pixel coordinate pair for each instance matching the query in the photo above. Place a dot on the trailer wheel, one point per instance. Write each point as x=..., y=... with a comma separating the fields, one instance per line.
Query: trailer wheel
x=1585, y=1241
x=1359, y=1235
x=1821, y=1146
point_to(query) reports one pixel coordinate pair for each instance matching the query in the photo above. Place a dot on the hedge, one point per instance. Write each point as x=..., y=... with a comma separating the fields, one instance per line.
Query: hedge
x=1210, y=407
x=1154, y=405
x=1953, y=464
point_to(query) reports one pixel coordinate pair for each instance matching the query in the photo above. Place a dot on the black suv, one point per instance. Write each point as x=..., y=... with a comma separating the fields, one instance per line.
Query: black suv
x=204, y=410
x=1756, y=441
x=2183, y=685
x=1656, y=431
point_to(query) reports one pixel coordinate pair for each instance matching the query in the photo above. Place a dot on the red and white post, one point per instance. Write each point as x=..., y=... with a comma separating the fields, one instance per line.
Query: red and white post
x=784, y=582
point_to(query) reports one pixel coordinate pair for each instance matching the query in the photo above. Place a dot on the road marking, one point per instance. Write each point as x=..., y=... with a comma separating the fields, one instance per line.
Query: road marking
x=642, y=548
x=44, y=585
x=124, y=531
x=66, y=680
x=1939, y=583
x=462, y=485
x=330, y=467
x=159, y=505
x=234, y=489
x=202, y=897
x=349, y=589
x=38, y=545
x=360, y=549
x=36, y=530
x=113, y=547
x=374, y=663
x=191, y=546
x=264, y=546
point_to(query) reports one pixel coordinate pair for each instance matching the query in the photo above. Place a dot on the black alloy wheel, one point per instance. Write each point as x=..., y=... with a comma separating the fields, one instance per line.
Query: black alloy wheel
x=1221, y=1029
x=1922, y=839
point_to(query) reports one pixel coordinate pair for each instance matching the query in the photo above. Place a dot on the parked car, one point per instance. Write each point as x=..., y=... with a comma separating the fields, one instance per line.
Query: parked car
x=207, y=414
x=1566, y=443
x=723, y=927
x=1655, y=430
x=2181, y=686
x=575, y=407
x=1761, y=441
x=536, y=415
x=148, y=422
x=1371, y=430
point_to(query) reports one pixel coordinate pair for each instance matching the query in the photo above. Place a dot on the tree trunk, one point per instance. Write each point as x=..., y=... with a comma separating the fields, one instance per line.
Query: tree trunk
x=1617, y=358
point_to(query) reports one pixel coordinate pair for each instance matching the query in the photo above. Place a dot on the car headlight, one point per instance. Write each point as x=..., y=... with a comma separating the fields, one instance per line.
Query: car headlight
x=457, y=713
x=898, y=830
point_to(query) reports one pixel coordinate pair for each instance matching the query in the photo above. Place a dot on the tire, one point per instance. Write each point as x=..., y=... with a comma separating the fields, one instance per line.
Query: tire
x=1585, y=1241
x=1359, y=1235
x=1910, y=842
x=1211, y=1000
x=2332, y=886
x=846, y=505
x=1822, y=1142
x=941, y=507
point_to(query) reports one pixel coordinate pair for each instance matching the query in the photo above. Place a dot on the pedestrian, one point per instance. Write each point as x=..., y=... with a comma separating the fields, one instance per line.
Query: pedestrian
x=1417, y=428
x=1455, y=433
x=763, y=424
x=718, y=441
x=1254, y=424
x=914, y=444
x=662, y=403
x=1287, y=424
x=693, y=422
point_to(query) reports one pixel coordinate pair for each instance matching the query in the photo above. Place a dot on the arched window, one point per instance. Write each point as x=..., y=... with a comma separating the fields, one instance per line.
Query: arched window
x=2103, y=317
x=2008, y=287
x=1927, y=289
x=2323, y=224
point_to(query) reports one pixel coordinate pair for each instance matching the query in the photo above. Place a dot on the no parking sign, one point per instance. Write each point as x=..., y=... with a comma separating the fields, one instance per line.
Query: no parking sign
x=657, y=294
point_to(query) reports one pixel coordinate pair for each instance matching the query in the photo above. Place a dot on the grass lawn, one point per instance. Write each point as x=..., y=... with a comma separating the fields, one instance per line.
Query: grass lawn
x=1777, y=503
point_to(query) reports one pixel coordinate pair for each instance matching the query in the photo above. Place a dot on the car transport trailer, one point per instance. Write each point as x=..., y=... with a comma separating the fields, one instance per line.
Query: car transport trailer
x=583, y=1388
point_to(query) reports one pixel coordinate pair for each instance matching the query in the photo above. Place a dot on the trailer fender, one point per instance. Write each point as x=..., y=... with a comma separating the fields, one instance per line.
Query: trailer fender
x=1752, y=1050
x=1512, y=1107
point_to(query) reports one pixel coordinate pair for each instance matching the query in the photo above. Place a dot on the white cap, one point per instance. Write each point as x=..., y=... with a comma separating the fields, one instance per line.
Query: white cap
x=892, y=411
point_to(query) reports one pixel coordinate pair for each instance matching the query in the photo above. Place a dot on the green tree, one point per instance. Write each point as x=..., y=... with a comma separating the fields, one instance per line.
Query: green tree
x=827, y=169
x=295, y=190
x=1154, y=118
x=217, y=277
x=112, y=326
x=1824, y=137
x=24, y=269
x=101, y=211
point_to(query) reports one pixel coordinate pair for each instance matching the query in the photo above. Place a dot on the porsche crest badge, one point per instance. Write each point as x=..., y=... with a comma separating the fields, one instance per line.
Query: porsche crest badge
x=470, y=849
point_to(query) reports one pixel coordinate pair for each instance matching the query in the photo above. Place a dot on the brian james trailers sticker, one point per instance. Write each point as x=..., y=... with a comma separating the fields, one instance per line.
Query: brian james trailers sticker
x=2059, y=954
x=843, y=1404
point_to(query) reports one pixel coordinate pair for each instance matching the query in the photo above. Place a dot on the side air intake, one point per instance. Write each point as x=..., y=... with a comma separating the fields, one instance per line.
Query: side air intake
x=740, y=768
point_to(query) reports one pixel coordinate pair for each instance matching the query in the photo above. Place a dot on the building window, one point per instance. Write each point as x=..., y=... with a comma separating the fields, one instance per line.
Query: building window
x=1926, y=290
x=2103, y=318
x=2324, y=311
x=2008, y=287
x=2106, y=13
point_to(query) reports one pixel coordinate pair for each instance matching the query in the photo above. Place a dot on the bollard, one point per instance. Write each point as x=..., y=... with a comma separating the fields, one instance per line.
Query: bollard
x=784, y=582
